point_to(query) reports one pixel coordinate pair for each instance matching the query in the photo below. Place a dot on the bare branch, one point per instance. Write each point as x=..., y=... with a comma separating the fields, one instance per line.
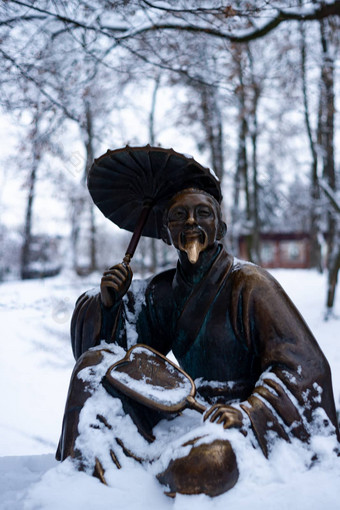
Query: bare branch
x=21, y=18
x=199, y=10
x=70, y=21
x=318, y=12
x=30, y=78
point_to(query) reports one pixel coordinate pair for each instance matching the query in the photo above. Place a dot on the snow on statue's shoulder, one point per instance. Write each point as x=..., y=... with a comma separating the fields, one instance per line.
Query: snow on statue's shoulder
x=92, y=292
x=239, y=263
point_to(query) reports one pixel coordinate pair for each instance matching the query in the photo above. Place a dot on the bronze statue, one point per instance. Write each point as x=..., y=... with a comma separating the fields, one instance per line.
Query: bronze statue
x=226, y=321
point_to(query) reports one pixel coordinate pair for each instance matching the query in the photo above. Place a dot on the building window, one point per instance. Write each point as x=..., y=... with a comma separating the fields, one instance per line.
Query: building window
x=267, y=252
x=292, y=251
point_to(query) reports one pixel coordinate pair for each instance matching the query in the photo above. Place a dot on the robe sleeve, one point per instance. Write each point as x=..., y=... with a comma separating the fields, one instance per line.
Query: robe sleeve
x=92, y=322
x=128, y=322
x=295, y=380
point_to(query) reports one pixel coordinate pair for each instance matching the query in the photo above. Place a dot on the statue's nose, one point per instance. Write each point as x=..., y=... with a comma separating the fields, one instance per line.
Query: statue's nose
x=191, y=220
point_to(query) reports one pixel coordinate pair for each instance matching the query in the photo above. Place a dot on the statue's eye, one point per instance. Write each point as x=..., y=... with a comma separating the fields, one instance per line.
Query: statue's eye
x=204, y=212
x=177, y=215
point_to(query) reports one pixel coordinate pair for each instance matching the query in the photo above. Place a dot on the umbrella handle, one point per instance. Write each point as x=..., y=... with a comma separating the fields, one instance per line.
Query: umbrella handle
x=137, y=233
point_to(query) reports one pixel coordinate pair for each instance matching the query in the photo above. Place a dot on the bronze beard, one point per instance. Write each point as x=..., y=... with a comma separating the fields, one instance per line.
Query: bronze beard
x=193, y=242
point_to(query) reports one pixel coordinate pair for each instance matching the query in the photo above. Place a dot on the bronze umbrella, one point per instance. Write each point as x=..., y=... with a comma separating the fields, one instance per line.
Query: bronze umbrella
x=131, y=186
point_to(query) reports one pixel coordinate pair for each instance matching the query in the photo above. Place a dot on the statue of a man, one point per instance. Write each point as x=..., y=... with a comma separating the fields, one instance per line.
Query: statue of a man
x=231, y=327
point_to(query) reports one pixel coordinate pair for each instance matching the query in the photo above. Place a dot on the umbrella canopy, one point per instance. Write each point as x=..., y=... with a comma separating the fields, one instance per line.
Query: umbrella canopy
x=125, y=182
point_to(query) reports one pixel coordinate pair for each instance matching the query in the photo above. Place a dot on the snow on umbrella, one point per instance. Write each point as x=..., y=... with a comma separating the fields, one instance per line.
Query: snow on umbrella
x=132, y=186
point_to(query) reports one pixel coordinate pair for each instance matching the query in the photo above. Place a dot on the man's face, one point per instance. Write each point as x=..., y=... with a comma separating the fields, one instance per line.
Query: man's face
x=192, y=223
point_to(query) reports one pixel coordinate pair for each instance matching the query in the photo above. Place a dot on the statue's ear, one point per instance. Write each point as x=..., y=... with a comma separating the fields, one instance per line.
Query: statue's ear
x=221, y=230
x=166, y=235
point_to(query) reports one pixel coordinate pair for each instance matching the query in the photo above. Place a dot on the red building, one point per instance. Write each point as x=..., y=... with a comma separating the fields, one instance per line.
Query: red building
x=288, y=250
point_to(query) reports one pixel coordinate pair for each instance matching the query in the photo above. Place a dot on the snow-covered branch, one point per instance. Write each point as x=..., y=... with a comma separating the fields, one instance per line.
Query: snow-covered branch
x=120, y=32
x=241, y=36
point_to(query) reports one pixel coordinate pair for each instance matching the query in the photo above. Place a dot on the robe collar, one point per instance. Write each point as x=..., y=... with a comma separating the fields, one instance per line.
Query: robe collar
x=191, y=274
x=193, y=301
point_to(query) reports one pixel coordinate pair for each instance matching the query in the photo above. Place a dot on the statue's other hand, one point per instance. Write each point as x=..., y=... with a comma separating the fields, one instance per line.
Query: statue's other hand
x=114, y=284
x=228, y=415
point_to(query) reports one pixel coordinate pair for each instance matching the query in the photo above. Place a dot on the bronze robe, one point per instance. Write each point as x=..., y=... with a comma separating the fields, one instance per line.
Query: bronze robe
x=231, y=326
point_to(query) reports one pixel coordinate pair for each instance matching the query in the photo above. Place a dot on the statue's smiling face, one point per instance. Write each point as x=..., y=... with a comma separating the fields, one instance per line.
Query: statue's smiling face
x=192, y=223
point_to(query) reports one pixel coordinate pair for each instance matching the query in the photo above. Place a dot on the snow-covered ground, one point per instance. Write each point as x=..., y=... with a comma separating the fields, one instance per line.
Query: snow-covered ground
x=36, y=363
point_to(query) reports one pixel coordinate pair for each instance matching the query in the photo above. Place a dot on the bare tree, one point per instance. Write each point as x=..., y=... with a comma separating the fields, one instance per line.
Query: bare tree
x=327, y=108
x=35, y=144
x=38, y=143
x=315, y=212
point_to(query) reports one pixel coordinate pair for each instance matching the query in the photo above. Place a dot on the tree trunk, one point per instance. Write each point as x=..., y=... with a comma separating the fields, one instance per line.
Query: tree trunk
x=314, y=227
x=27, y=234
x=256, y=91
x=213, y=127
x=327, y=140
x=242, y=173
x=152, y=110
x=88, y=164
x=153, y=243
x=333, y=271
x=93, y=244
x=256, y=249
x=77, y=206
